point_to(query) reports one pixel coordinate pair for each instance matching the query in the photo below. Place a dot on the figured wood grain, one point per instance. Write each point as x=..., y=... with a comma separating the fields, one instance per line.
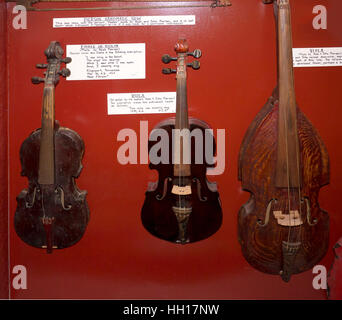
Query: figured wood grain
x=262, y=169
x=261, y=246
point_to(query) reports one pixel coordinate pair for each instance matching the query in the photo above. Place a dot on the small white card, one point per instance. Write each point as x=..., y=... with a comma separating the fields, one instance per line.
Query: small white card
x=124, y=21
x=106, y=61
x=146, y=102
x=317, y=57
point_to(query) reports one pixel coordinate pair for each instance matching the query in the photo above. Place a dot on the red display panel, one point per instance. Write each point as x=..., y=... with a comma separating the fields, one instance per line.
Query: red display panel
x=117, y=258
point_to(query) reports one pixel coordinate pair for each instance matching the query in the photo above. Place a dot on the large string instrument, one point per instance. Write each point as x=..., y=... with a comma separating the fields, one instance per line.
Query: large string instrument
x=182, y=206
x=52, y=213
x=283, y=163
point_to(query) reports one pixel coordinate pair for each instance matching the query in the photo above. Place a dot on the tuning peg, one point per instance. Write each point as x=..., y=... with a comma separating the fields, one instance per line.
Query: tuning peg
x=41, y=65
x=168, y=71
x=197, y=53
x=65, y=72
x=66, y=60
x=37, y=80
x=166, y=58
x=194, y=64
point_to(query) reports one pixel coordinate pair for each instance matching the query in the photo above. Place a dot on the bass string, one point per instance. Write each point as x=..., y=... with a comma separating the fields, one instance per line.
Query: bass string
x=300, y=200
x=288, y=183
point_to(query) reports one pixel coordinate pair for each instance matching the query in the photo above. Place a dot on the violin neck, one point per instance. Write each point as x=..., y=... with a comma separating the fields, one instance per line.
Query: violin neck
x=182, y=120
x=287, y=168
x=46, y=172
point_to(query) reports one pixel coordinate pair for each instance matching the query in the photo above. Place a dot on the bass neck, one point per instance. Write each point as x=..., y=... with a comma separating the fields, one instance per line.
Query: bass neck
x=287, y=166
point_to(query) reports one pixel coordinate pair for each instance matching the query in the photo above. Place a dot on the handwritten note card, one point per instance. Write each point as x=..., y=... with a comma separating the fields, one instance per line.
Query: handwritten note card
x=124, y=21
x=106, y=61
x=147, y=102
x=317, y=57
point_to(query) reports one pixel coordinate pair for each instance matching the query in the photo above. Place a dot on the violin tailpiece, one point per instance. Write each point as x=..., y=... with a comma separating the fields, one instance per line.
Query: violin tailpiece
x=182, y=215
x=47, y=223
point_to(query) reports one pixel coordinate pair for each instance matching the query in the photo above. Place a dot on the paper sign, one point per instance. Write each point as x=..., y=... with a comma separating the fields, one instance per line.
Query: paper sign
x=317, y=57
x=147, y=102
x=126, y=21
x=106, y=61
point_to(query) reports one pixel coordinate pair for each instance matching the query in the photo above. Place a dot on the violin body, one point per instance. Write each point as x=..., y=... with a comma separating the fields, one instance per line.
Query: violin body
x=157, y=214
x=263, y=238
x=62, y=201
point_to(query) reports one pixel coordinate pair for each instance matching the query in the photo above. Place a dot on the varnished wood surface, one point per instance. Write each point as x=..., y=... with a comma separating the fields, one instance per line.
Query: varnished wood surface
x=69, y=225
x=157, y=215
x=261, y=246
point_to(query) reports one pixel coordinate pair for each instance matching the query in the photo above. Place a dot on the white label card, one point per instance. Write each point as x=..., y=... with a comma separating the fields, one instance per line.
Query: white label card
x=317, y=57
x=106, y=61
x=124, y=21
x=146, y=102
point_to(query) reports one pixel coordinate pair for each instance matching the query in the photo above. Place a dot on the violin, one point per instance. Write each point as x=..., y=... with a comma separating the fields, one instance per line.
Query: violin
x=182, y=206
x=283, y=163
x=52, y=213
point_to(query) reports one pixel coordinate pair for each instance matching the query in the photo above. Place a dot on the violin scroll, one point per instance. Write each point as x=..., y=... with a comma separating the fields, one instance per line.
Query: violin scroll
x=54, y=54
x=182, y=48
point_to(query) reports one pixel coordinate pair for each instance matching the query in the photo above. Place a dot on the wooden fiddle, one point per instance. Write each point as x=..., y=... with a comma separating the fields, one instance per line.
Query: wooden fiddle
x=52, y=213
x=182, y=206
x=283, y=163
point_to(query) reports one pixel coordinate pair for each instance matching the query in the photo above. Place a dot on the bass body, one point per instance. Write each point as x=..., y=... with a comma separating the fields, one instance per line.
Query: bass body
x=263, y=240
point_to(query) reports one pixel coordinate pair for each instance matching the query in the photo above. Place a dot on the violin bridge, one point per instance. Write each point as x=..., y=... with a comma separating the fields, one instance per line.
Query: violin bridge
x=182, y=191
x=182, y=215
x=288, y=220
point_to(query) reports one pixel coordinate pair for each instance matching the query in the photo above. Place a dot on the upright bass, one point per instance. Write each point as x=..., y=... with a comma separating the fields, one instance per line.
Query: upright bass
x=52, y=213
x=283, y=163
x=182, y=206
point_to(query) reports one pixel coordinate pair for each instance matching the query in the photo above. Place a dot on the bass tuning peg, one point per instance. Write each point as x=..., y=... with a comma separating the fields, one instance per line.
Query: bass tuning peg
x=197, y=53
x=194, y=64
x=168, y=71
x=37, y=80
x=66, y=60
x=166, y=58
x=41, y=65
x=65, y=72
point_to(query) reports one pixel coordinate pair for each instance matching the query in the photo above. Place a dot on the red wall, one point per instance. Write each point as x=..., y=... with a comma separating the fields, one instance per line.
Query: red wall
x=3, y=156
x=117, y=258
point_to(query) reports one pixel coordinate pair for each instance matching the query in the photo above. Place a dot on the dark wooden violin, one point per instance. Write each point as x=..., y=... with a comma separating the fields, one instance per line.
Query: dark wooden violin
x=52, y=212
x=182, y=206
x=283, y=163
